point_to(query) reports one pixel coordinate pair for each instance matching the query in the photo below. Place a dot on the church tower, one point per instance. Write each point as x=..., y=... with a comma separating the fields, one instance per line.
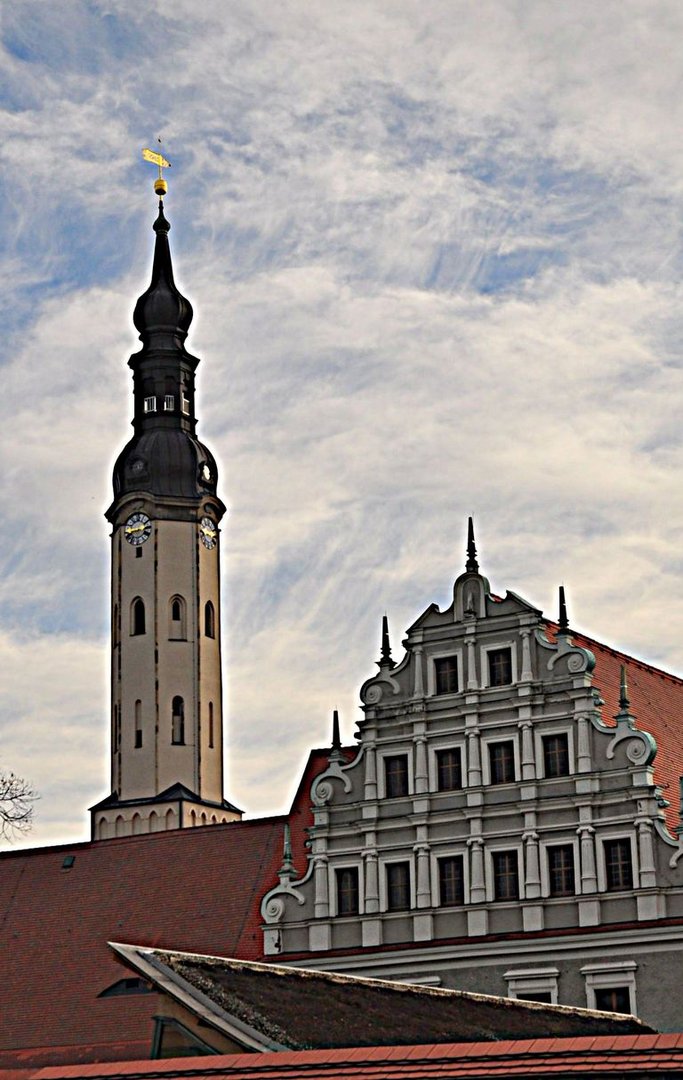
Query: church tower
x=166, y=694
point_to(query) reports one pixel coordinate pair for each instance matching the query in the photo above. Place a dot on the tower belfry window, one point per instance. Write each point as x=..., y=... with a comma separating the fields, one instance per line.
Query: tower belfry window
x=150, y=404
x=169, y=403
x=209, y=620
x=177, y=630
x=178, y=722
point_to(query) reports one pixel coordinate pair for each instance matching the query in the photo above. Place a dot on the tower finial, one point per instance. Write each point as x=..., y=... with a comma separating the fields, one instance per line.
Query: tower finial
x=385, y=657
x=160, y=185
x=563, y=621
x=287, y=870
x=336, y=738
x=471, y=566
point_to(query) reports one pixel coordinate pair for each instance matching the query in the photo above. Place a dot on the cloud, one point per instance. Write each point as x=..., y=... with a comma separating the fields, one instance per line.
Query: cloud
x=434, y=254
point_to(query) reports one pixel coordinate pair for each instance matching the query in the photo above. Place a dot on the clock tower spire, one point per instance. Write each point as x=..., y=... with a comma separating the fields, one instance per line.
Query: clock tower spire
x=166, y=693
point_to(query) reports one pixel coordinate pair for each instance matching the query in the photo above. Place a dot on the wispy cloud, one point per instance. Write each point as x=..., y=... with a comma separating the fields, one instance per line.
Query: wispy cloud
x=434, y=252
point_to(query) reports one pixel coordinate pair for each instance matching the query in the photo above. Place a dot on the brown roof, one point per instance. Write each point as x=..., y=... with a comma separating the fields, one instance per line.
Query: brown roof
x=621, y=1055
x=294, y=1009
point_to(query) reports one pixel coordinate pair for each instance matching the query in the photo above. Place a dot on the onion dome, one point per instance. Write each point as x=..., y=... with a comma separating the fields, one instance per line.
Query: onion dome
x=162, y=310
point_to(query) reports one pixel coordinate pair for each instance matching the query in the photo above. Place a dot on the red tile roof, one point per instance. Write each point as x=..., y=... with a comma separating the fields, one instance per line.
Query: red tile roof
x=634, y=1055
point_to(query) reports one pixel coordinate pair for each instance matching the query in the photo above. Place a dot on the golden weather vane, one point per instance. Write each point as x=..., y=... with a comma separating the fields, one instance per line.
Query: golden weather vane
x=160, y=185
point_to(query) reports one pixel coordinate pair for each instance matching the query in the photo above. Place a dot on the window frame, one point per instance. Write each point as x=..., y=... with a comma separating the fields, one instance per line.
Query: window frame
x=540, y=980
x=617, y=975
x=440, y=861
x=335, y=872
x=449, y=851
x=486, y=743
x=484, y=651
x=384, y=863
x=135, y=623
x=181, y=741
x=149, y=404
x=169, y=402
x=548, y=732
x=490, y=875
x=602, y=862
x=559, y=841
x=444, y=654
x=381, y=772
x=452, y=660
x=433, y=763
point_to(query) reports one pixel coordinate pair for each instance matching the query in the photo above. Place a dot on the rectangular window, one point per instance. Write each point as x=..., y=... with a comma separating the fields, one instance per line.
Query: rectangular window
x=396, y=775
x=150, y=404
x=543, y=996
x=555, y=755
x=618, y=868
x=448, y=769
x=502, y=762
x=561, y=870
x=451, y=881
x=398, y=886
x=347, y=890
x=500, y=667
x=446, y=669
x=613, y=999
x=505, y=875
x=185, y=404
x=169, y=403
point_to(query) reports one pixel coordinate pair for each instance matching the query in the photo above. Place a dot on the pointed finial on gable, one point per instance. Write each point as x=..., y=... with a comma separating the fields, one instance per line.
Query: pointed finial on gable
x=624, y=703
x=563, y=621
x=385, y=657
x=287, y=870
x=335, y=750
x=471, y=566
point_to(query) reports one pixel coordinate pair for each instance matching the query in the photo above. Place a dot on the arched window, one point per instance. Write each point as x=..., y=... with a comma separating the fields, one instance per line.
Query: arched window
x=178, y=721
x=209, y=620
x=211, y=725
x=170, y=819
x=138, y=724
x=136, y=822
x=153, y=823
x=176, y=619
x=119, y=826
x=137, y=616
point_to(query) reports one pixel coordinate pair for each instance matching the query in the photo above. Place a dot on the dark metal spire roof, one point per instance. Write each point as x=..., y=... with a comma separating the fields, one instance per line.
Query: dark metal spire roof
x=162, y=309
x=563, y=621
x=471, y=566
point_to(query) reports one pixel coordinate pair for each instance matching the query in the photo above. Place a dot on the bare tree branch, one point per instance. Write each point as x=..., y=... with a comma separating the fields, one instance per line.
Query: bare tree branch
x=16, y=805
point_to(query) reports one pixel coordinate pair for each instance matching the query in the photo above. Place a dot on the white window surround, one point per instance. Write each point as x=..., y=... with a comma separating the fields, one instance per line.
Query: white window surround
x=553, y=729
x=446, y=744
x=612, y=976
x=381, y=774
x=345, y=864
x=185, y=404
x=431, y=671
x=501, y=736
x=559, y=841
x=490, y=887
x=383, y=862
x=521, y=981
x=169, y=403
x=484, y=650
x=622, y=834
x=445, y=853
x=150, y=404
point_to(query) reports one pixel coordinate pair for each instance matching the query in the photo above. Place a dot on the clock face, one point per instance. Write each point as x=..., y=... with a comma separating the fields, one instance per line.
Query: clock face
x=208, y=532
x=137, y=529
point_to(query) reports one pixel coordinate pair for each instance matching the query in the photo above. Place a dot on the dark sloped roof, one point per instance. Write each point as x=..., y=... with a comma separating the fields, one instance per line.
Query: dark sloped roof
x=308, y=1010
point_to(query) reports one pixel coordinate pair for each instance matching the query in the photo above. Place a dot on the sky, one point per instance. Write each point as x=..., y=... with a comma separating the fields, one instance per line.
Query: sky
x=434, y=252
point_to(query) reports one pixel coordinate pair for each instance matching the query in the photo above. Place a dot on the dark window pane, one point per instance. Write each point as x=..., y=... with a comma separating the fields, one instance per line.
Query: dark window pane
x=347, y=891
x=449, y=769
x=555, y=755
x=561, y=870
x=505, y=875
x=446, y=675
x=176, y=611
x=138, y=617
x=398, y=886
x=500, y=667
x=396, y=776
x=178, y=721
x=502, y=762
x=613, y=999
x=209, y=620
x=451, y=881
x=618, y=870
x=536, y=995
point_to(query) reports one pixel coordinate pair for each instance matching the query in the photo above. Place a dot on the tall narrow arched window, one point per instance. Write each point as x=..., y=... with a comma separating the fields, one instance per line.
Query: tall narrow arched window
x=178, y=721
x=137, y=616
x=138, y=724
x=209, y=620
x=176, y=619
x=211, y=725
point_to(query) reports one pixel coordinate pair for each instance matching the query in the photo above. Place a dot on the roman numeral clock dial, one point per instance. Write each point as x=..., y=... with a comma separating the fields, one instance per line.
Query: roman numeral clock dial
x=137, y=529
x=208, y=533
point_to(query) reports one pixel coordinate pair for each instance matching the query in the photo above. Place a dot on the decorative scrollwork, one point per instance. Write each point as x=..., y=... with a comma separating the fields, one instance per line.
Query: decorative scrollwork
x=637, y=751
x=576, y=663
x=322, y=793
x=373, y=694
x=274, y=909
